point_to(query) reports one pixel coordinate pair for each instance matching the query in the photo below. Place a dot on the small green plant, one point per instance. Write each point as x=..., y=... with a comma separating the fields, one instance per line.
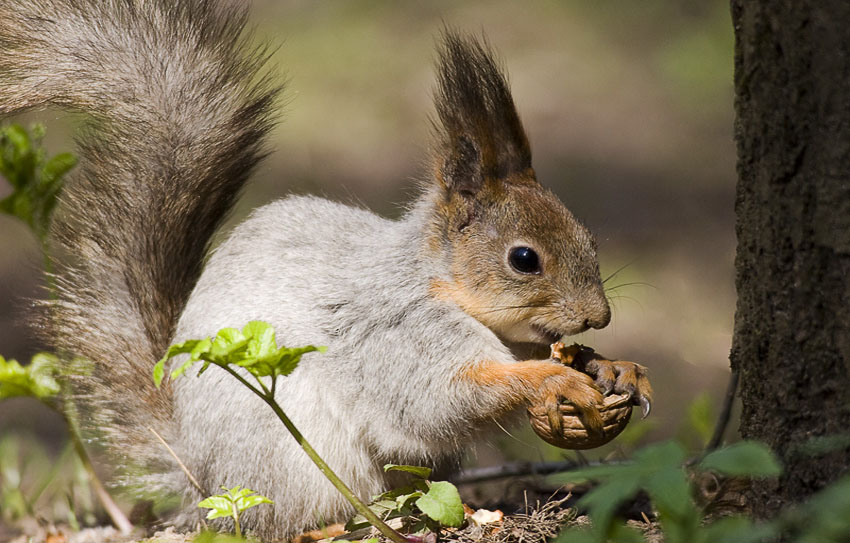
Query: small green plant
x=254, y=350
x=660, y=470
x=231, y=503
x=41, y=380
x=36, y=179
x=425, y=505
x=64, y=484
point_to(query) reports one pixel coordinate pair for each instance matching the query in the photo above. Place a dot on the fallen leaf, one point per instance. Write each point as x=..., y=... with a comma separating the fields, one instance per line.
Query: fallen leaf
x=483, y=516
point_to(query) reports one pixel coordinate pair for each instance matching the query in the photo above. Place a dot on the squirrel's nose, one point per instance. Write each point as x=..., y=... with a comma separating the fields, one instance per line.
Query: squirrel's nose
x=599, y=320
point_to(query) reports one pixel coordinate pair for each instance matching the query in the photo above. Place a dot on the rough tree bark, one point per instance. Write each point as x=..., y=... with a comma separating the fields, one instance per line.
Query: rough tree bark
x=792, y=326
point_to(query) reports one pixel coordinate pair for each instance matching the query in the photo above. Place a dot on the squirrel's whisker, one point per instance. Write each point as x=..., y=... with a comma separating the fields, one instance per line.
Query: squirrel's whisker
x=618, y=270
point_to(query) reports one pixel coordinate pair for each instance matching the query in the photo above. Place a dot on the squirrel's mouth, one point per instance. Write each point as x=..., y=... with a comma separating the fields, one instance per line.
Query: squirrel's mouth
x=547, y=335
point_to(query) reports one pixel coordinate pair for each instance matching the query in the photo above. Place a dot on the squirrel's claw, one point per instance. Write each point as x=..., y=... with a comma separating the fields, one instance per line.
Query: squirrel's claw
x=646, y=406
x=617, y=376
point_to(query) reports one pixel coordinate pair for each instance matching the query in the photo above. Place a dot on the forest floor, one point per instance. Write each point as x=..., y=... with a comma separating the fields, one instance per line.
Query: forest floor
x=537, y=524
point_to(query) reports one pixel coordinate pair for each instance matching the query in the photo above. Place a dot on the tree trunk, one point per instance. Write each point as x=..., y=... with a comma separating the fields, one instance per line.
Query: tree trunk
x=792, y=326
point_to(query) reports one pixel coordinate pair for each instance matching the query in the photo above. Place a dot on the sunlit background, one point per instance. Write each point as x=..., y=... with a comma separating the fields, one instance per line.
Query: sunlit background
x=628, y=106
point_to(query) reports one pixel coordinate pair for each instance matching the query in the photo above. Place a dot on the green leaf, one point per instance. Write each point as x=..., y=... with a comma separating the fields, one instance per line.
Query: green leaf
x=252, y=501
x=262, y=342
x=394, y=493
x=49, y=186
x=669, y=490
x=225, y=340
x=820, y=445
x=419, y=471
x=442, y=503
x=603, y=501
x=824, y=517
x=739, y=530
x=18, y=205
x=280, y=362
x=743, y=459
x=14, y=379
x=355, y=523
x=237, y=492
x=199, y=349
x=37, y=380
x=56, y=167
x=182, y=369
x=36, y=180
x=622, y=533
x=204, y=367
x=42, y=371
x=405, y=501
x=222, y=505
x=159, y=372
x=383, y=506
x=666, y=454
x=219, y=505
x=195, y=348
x=19, y=138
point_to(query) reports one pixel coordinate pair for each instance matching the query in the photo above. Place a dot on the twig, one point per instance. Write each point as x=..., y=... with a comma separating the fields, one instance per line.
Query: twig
x=188, y=473
x=118, y=517
x=725, y=413
x=517, y=469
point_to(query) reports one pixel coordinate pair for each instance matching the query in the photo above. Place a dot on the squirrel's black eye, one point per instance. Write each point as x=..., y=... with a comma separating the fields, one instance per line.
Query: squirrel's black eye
x=524, y=260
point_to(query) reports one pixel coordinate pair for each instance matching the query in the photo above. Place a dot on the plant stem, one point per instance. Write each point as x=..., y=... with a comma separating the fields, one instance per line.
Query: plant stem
x=236, y=526
x=51, y=475
x=326, y=470
x=118, y=518
x=723, y=419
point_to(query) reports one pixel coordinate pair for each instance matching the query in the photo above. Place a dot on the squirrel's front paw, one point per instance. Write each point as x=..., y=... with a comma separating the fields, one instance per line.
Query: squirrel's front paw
x=611, y=376
x=622, y=377
x=575, y=388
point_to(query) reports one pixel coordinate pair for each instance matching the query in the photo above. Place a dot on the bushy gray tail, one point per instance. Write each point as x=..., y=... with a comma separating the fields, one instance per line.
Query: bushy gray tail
x=177, y=106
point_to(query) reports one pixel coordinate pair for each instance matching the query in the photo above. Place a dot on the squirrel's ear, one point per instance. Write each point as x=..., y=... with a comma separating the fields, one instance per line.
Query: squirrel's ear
x=479, y=137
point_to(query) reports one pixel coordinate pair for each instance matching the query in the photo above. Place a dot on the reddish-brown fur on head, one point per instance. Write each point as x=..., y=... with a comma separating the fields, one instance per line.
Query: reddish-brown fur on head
x=491, y=203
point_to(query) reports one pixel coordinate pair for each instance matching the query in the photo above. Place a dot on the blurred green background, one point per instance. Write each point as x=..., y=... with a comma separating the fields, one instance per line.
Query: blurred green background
x=628, y=106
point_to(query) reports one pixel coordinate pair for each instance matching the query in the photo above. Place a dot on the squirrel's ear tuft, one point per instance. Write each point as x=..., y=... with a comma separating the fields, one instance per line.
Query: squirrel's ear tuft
x=479, y=137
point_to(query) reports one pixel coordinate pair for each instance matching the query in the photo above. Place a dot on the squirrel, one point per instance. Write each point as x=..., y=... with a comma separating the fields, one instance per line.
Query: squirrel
x=424, y=318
